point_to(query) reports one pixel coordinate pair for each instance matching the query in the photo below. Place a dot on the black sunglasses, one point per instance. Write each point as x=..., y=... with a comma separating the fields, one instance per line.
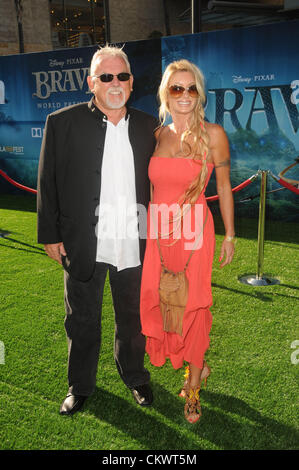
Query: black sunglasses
x=177, y=90
x=108, y=77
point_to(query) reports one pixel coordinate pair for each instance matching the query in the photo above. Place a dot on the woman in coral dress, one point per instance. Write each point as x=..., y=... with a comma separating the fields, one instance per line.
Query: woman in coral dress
x=187, y=151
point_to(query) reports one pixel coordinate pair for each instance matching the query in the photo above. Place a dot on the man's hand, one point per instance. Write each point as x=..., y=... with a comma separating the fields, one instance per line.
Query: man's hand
x=55, y=251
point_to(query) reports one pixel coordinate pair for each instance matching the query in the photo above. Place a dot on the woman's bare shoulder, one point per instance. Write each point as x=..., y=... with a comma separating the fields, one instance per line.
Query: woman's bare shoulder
x=216, y=132
x=214, y=129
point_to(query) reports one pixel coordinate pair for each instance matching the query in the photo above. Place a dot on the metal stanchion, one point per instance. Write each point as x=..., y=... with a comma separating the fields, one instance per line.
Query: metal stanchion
x=259, y=279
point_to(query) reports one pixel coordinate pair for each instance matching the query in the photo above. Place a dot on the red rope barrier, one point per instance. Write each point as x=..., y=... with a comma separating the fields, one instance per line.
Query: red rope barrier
x=289, y=186
x=235, y=189
x=210, y=198
x=17, y=185
x=288, y=180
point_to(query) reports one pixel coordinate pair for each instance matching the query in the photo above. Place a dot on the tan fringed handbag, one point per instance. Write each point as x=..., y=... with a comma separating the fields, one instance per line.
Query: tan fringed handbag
x=173, y=291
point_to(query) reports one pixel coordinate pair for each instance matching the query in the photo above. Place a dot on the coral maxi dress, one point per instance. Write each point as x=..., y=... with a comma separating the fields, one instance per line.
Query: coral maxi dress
x=170, y=178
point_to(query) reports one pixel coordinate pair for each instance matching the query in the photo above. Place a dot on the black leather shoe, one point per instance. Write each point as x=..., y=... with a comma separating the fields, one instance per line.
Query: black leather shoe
x=72, y=404
x=143, y=395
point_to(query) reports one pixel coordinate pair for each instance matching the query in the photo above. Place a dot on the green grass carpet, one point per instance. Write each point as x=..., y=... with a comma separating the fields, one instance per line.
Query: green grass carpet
x=251, y=401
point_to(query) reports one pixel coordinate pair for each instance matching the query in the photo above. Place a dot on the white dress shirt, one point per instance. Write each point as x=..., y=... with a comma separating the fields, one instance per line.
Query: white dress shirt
x=117, y=230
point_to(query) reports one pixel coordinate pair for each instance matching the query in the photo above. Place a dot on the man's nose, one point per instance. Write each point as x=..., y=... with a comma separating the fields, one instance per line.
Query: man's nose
x=115, y=80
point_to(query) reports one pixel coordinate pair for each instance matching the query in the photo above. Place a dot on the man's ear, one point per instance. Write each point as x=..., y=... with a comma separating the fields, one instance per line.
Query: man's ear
x=131, y=82
x=90, y=83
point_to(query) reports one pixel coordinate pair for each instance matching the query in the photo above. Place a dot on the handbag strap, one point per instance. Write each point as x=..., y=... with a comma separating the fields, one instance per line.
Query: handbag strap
x=194, y=246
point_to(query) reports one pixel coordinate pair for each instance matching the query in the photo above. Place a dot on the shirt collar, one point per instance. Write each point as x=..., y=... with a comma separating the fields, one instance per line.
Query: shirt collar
x=99, y=114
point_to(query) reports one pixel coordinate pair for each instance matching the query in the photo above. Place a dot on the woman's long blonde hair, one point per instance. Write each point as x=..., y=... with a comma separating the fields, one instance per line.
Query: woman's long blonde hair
x=196, y=126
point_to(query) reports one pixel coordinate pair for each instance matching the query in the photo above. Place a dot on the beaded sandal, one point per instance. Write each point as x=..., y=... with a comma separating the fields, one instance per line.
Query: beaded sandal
x=192, y=408
x=206, y=371
x=186, y=383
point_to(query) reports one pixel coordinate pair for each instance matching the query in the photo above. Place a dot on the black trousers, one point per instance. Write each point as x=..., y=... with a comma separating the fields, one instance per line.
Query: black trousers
x=83, y=304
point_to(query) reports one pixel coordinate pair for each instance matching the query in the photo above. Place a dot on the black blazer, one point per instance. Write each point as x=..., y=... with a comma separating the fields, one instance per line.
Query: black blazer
x=69, y=179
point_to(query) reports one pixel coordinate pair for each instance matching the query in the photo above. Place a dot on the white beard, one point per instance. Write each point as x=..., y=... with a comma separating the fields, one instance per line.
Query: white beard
x=115, y=101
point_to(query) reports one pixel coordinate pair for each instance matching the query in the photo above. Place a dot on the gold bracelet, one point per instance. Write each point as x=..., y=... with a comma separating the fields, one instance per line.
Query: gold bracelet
x=230, y=239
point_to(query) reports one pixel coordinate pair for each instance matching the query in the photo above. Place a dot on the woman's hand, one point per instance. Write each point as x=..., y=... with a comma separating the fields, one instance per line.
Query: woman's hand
x=226, y=252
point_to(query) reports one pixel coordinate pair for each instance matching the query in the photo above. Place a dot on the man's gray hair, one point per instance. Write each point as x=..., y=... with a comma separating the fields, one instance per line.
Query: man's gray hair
x=109, y=51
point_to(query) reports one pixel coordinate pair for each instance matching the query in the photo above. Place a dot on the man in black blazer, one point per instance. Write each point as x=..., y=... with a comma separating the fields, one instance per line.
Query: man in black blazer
x=95, y=156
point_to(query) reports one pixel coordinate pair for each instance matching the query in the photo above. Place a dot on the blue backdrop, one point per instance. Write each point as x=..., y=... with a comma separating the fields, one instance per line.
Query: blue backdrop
x=252, y=87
